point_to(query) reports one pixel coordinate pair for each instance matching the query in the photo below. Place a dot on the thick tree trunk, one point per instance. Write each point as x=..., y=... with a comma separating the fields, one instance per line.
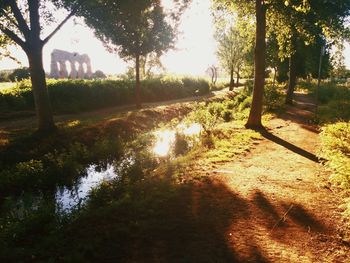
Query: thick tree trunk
x=137, y=85
x=254, y=120
x=232, y=81
x=292, y=79
x=40, y=92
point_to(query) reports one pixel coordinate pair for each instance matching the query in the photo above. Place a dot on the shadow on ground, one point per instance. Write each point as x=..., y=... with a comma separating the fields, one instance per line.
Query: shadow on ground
x=159, y=221
x=289, y=146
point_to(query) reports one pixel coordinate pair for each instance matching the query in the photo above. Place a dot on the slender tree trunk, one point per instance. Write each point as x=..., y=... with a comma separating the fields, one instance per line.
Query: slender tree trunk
x=274, y=77
x=292, y=79
x=232, y=81
x=254, y=120
x=237, y=79
x=137, y=86
x=215, y=75
x=40, y=92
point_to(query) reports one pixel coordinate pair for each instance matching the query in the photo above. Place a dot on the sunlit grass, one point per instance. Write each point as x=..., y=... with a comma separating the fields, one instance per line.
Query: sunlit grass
x=226, y=142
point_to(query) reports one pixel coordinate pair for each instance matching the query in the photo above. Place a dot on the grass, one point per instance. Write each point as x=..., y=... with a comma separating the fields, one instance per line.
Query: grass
x=335, y=149
x=333, y=115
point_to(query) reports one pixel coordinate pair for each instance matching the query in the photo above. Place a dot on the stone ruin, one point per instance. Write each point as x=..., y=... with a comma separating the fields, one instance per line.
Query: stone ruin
x=59, y=58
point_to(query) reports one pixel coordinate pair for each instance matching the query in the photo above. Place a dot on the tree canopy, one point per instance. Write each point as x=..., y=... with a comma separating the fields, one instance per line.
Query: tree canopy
x=133, y=29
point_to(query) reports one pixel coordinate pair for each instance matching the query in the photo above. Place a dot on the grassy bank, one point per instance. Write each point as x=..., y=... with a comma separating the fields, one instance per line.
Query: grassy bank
x=333, y=115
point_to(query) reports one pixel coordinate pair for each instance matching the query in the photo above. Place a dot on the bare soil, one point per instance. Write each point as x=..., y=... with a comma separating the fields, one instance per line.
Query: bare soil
x=275, y=203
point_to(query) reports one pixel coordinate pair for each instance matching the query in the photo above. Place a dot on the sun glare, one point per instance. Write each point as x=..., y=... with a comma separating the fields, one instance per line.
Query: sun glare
x=164, y=141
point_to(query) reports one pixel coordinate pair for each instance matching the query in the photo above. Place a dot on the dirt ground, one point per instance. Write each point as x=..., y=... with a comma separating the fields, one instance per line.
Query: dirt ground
x=279, y=206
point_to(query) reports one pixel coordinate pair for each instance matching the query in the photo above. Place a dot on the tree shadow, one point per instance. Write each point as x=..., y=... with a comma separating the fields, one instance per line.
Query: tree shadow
x=303, y=218
x=312, y=157
x=160, y=221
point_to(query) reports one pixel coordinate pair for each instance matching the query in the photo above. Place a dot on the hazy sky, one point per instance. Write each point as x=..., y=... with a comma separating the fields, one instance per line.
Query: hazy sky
x=195, y=49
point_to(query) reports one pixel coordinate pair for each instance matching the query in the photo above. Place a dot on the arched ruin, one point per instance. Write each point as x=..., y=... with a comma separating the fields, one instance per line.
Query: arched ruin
x=77, y=61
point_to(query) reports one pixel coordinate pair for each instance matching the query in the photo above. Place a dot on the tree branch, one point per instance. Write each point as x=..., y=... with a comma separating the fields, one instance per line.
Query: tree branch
x=60, y=25
x=13, y=36
x=9, y=18
x=23, y=27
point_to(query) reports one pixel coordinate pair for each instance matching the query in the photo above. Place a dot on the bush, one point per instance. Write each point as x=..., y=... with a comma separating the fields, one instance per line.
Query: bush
x=69, y=96
x=273, y=97
x=19, y=74
x=335, y=148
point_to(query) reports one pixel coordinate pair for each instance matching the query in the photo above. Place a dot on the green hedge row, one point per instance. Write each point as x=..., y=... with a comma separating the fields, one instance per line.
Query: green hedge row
x=69, y=96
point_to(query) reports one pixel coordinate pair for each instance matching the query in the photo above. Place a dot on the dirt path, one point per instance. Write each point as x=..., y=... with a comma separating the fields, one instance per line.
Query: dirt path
x=282, y=208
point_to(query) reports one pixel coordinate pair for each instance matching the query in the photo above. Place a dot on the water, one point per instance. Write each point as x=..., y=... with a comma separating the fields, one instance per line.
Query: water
x=67, y=198
x=165, y=139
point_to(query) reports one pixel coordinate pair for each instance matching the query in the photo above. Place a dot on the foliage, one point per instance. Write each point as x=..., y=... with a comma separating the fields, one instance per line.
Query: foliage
x=57, y=167
x=335, y=149
x=99, y=75
x=81, y=95
x=334, y=100
x=338, y=62
x=19, y=74
x=235, y=39
x=273, y=97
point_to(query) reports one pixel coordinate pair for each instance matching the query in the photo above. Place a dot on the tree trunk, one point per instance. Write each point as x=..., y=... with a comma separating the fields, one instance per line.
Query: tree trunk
x=232, y=81
x=137, y=85
x=237, y=80
x=215, y=75
x=292, y=79
x=254, y=120
x=274, y=77
x=40, y=92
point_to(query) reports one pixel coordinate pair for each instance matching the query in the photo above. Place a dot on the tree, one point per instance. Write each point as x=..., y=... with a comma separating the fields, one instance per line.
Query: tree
x=149, y=64
x=254, y=119
x=338, y=61
x=20, y=21
x=235, y=39
x=259, y=9
x=133, y=29
x=306, y=22
x=291, y=18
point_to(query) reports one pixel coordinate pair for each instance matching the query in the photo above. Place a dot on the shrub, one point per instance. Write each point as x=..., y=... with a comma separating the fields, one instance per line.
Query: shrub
x=69, y=96
x=19, y=74
x=335, y=148
x=273, y=97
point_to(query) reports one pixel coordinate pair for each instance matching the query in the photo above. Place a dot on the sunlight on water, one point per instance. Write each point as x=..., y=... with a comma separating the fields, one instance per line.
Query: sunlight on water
x=193, y=129
x=165, y=139
x=67, y=198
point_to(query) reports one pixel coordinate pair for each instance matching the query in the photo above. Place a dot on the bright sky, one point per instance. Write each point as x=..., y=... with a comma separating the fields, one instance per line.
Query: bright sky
x=195, y=49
